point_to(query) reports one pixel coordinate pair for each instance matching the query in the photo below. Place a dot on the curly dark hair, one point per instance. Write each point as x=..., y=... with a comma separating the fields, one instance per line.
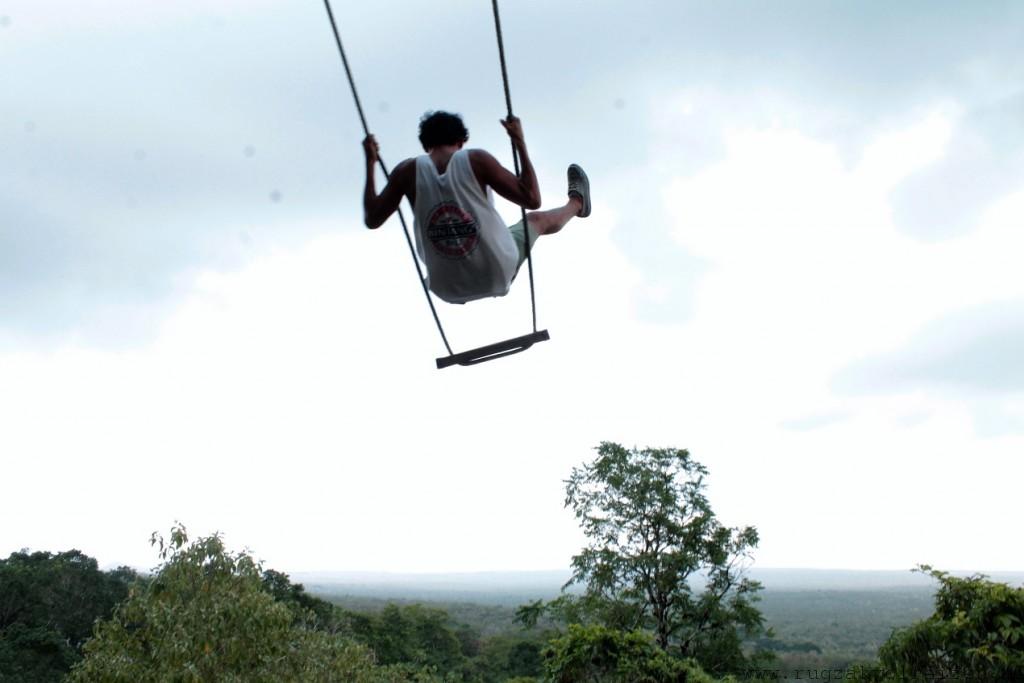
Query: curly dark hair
x=441, y=128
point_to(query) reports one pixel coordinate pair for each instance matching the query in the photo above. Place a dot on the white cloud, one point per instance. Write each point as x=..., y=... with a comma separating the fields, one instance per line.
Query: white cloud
x=294, y=405
x=292, y=402
x=808, y=271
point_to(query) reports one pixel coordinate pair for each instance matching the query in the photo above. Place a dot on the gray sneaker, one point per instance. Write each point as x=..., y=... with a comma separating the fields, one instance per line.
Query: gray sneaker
x=579, y=186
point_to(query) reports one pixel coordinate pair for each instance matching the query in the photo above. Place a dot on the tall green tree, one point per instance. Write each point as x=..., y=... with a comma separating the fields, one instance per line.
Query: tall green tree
x=651, y=536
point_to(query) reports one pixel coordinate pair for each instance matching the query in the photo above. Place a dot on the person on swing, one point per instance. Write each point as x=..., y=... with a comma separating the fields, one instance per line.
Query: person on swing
x=468, y=251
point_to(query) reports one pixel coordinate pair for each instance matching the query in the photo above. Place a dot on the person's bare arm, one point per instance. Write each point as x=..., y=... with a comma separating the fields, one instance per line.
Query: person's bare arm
x=524, y=190
x=377, y=208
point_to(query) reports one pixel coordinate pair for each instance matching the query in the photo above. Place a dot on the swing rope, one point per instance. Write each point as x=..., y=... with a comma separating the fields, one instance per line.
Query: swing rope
x=494, y=350
x=401, y=216
x=515, y=157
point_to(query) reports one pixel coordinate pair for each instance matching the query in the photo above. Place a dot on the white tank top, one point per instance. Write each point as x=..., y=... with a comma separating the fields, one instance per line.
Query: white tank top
x=467, y=249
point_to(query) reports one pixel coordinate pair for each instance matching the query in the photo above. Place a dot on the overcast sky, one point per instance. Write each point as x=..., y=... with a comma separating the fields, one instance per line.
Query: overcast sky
x=803, y=265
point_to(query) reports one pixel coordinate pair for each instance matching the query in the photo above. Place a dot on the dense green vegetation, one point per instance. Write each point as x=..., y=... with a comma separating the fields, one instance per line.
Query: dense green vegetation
x=976, y=633
x=211, y=615
x=48, y=603
x=661, y=597
x=599, y=653
x=846, y=625
x=811, y=629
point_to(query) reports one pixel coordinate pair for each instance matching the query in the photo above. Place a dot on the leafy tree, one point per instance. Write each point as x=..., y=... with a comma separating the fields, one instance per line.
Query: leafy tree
x=48, y=604
x=325, y=615
x=414, y=635
x=651, y=533
x=206, y=616
x=975, y=634
x=524, y=659
x=598, y=654
x=508, y=657
x=419, y=638
x=34, y=654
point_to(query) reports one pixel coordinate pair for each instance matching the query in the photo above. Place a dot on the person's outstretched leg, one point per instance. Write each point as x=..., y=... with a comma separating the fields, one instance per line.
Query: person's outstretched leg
x=553, y=220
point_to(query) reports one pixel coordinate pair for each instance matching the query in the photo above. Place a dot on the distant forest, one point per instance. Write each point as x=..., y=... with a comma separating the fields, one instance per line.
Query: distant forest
x=821, y=629
x=661, y=593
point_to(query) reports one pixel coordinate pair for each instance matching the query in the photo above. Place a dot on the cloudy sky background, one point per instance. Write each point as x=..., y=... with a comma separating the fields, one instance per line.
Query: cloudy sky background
x=803, y=265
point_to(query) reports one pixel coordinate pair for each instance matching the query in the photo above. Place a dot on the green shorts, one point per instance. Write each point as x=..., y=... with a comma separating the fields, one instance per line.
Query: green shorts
x=519, y=236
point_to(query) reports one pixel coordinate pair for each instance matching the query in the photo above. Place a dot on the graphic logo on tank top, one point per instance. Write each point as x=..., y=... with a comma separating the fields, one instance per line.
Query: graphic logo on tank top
x=452, y=231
